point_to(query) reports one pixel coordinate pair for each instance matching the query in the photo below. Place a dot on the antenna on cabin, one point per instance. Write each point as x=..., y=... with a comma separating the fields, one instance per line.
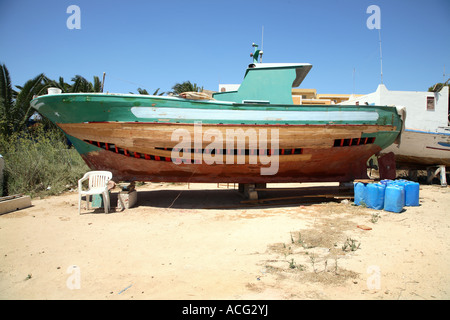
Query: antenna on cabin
x=262, y=44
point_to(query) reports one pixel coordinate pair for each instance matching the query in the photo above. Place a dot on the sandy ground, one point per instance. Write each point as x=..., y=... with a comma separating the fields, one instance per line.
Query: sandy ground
x=203, y=243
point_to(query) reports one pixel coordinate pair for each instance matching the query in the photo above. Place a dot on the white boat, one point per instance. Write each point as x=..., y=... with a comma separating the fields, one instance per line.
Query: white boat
x=425, y=141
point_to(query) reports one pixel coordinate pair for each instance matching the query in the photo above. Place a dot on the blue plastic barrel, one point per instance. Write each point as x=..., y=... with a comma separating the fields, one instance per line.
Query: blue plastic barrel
x=394, y=198
x=400, y=182
x=375, y=193
x=412, y=194
x=360, y=193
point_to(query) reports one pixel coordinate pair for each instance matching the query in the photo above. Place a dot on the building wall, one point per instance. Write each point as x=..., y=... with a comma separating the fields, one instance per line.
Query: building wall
x=419, y=114
x=310, y=96
x=228, y=87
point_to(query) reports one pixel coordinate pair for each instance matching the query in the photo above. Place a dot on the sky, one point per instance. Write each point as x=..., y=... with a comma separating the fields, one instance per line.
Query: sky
x=155, y=44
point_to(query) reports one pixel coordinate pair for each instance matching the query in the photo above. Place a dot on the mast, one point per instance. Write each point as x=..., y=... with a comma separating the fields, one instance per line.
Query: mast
x=262, y=44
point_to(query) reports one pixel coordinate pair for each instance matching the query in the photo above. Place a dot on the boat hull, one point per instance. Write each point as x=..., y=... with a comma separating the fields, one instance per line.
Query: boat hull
x=136, y=151
x=148, y=138
x=420, y=149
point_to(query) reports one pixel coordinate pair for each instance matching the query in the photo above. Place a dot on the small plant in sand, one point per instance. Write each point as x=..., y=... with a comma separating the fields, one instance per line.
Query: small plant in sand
x=375, y=217
x=351, y=245
x=286, y=250
x=294, y=265
x=300, y=241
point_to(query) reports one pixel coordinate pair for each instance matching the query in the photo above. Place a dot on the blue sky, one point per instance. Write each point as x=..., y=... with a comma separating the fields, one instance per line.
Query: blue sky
x=155, y=44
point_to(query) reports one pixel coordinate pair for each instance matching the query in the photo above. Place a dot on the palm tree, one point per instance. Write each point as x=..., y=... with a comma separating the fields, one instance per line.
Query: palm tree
x=15, y=107
x=144, y=91
x=185, y=87
x=97, y=85
x=7, y=96
x=156, y=92
x=61, y=84
x=34, y=87
x=80, y=84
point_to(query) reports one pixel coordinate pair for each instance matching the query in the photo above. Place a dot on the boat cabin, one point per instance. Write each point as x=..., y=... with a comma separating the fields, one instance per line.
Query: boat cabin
x=267, y=83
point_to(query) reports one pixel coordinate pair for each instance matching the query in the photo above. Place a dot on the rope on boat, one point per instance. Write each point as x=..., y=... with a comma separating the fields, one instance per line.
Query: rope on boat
x=192, y=95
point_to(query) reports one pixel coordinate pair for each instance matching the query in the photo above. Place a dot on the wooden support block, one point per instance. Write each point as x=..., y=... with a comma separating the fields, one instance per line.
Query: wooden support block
x=364, y=180
x=13, y=203
x=250, y=192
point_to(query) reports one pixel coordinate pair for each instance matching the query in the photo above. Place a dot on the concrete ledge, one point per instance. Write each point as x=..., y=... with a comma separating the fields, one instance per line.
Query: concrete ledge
x=13, y=203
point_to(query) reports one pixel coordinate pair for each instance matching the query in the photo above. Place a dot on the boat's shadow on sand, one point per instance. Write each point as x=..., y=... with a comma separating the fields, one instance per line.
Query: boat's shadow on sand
x=220, y=199
x=189, y=199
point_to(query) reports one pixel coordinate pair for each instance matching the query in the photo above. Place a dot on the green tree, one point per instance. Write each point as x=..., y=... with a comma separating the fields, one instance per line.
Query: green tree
x=186, y=87
x=7, y=96
x=15, y=107
x=61, y=84
x=438, y=86
x=80, y=84
x=144, y=91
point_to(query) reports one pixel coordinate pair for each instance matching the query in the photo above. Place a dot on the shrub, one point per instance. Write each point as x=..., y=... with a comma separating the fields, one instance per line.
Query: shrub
x=40, y=163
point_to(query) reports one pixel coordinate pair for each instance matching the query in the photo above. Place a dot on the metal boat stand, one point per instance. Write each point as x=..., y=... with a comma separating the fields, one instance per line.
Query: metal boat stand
x=432, y=172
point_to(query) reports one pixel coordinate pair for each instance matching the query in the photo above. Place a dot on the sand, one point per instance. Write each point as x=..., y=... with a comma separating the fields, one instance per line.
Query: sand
x=200, y=242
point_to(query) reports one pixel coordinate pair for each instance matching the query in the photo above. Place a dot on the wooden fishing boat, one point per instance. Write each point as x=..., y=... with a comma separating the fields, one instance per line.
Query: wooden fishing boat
x=253, y=135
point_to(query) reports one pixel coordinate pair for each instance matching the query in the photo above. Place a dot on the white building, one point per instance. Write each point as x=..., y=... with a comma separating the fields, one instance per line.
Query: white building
x=425, y=142
x=426, y=111
x=228, y=87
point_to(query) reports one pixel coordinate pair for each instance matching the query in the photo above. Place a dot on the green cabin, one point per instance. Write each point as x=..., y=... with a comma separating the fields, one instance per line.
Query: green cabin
x=267, y=83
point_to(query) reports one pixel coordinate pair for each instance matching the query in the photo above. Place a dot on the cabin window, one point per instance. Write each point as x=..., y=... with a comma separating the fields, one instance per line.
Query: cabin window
x=430, y=103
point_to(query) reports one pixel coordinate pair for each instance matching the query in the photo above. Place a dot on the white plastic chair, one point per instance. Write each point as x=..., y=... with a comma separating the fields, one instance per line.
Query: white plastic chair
x=98, y=184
